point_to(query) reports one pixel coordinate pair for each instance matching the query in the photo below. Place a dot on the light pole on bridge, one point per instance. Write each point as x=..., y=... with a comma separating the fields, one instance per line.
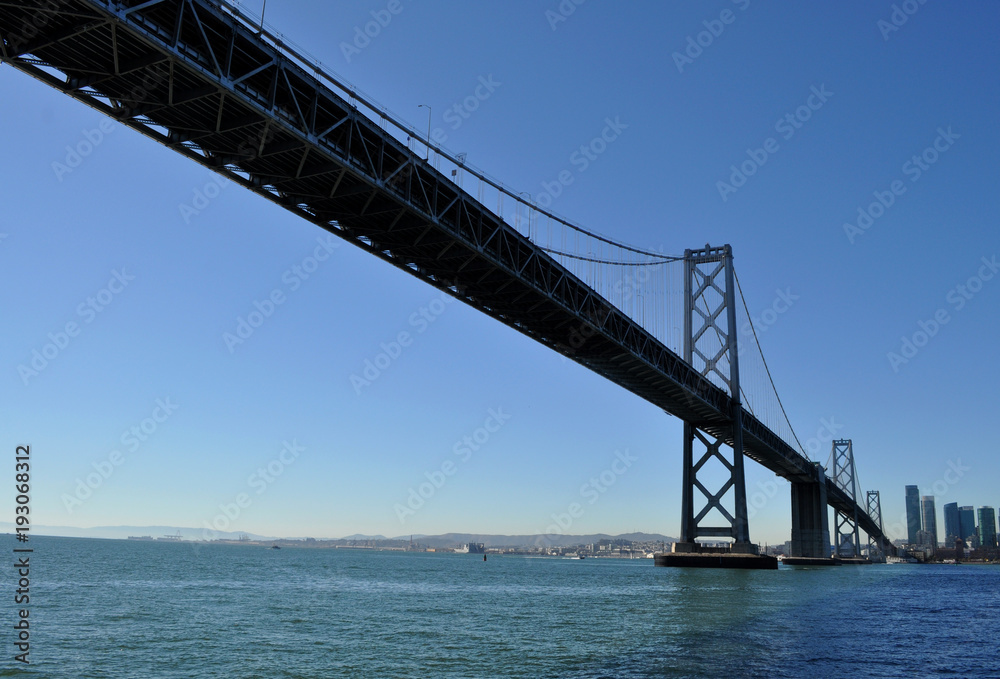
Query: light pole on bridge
x=427, y=154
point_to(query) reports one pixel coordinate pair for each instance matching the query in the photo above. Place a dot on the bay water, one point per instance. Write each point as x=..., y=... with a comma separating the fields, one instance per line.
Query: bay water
x=113, y=608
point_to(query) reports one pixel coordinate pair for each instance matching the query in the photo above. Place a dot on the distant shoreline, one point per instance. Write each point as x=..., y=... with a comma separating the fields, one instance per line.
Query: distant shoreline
x=506, y=550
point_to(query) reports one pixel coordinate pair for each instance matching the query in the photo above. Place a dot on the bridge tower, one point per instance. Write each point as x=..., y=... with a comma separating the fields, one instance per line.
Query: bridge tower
x=844, y=476
x=710, y=346
x=876, y=547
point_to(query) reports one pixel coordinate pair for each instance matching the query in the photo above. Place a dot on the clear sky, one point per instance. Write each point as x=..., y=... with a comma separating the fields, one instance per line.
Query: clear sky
x=165, y=290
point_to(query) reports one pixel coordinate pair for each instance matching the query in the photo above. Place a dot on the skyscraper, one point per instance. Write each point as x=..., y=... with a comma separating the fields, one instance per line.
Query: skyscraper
x=912, y=514
x=928, y=518
x=987, y=527
x=967, y=526
x=952, y=529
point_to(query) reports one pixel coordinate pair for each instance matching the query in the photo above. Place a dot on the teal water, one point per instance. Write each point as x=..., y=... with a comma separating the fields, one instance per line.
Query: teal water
x=102, y=608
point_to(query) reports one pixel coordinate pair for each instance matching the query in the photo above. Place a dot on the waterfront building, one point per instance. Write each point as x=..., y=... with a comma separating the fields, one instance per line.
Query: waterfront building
x=928, y=517
x=952, y=529
x=987, y=527
x=912, y=514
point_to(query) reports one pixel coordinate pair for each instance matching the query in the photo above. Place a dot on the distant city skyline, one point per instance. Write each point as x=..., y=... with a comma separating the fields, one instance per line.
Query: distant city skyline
x=962, y=521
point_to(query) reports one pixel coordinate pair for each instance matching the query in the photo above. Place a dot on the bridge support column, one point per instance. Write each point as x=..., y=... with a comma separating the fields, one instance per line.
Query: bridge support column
x=848, y=539
x=876, y=545
x=710, y=346
x=711, y=448
x=810, y=518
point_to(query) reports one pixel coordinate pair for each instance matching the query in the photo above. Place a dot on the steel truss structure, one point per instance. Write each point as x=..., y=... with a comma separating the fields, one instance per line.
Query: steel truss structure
x=876, y=545
x=848, y=543
x=710, y=346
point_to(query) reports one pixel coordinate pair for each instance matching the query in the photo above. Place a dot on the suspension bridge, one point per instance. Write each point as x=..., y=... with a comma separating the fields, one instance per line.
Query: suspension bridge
x=213, y=82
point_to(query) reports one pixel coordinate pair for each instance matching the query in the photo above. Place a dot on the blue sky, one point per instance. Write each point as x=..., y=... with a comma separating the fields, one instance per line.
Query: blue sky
x=208, y=419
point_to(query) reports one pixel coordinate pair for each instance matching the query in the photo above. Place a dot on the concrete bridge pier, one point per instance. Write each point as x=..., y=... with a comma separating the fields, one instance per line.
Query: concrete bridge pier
x=810, y=522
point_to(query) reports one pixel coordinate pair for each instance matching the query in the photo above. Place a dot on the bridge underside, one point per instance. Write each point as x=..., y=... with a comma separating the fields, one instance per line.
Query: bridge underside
x=197, y=79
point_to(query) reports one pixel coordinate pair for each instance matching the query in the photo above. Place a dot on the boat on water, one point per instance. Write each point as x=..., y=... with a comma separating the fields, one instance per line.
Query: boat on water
x=275, y=547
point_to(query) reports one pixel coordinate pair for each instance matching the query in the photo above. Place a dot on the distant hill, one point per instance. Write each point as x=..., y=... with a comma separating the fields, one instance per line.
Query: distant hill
x=123, y=532
x=437, y=541
x=538, y=540
x=359, y=536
